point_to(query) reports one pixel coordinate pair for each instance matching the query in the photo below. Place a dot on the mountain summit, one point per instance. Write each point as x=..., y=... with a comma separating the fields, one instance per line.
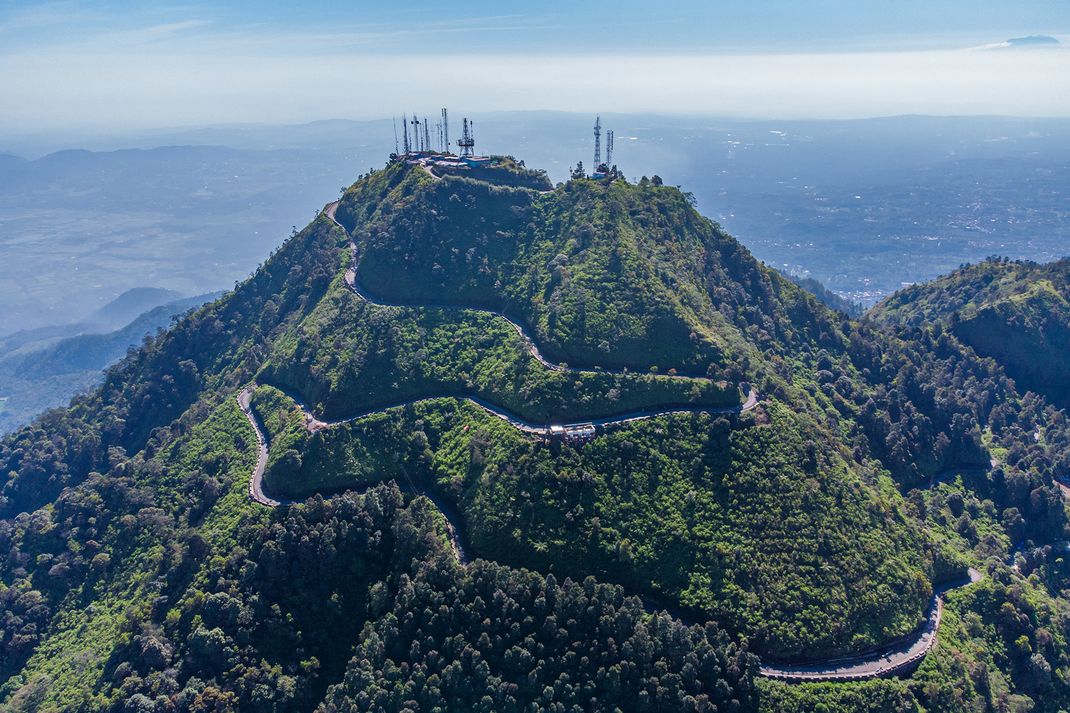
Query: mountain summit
x=470, y=441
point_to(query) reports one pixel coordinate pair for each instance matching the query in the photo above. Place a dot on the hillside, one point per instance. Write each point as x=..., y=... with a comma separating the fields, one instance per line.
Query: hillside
x=1017, y=313
x=46, y=372
x=789, y=485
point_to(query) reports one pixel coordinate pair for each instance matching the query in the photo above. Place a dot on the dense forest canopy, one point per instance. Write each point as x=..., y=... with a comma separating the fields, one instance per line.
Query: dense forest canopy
x=884, y=458
x=1016, y=312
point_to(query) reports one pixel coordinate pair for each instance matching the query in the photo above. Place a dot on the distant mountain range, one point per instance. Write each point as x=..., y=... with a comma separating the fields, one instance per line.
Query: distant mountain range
x=862, y=206
x=45, y=367
x=1025, y=43
x=1033, y=41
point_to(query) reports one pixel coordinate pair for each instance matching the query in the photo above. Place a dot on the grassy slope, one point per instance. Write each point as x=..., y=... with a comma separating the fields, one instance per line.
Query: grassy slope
x=348, y=357
x=612, y=275
x=654, y=267
x=990, y=634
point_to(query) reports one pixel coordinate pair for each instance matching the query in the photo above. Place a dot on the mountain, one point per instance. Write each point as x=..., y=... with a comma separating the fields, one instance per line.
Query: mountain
x=85, y=225
x=113, y=315
x=127, y=306
x=1016, y=312
x=43, y=368
x=871, y=204
x=827, y=297
x=472, y=442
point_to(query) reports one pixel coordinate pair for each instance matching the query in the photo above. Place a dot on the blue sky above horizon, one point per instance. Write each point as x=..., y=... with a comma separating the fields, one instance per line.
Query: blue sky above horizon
x=133, y=64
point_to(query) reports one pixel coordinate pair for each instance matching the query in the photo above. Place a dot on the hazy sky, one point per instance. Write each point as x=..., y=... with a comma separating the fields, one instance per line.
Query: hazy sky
x=132, y=65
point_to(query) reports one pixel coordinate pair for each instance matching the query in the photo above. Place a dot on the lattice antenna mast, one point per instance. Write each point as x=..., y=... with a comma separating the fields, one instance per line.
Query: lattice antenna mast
x=427, y=134
x=467, y=141
x=405, y=128
x=609, y=148
x=445, y=130
x=597, y=142
x=395, y=120
x=416, y=132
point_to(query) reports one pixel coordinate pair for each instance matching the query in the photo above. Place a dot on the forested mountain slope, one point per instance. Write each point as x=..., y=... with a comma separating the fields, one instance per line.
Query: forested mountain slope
x=1016, y=312
x=878, y=462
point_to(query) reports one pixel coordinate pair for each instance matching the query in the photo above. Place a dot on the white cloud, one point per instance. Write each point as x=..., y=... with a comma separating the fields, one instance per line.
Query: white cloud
x=179, y=74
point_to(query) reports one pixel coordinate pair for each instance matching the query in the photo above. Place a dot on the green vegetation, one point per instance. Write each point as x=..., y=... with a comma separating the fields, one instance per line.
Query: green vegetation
x=206, y=601
x=612, y=275
x=348, y=357
x=1016, y=312
x=138, y=576
x=527, y=643
x=827, y=297
x=743, y=522
x=1003, y=642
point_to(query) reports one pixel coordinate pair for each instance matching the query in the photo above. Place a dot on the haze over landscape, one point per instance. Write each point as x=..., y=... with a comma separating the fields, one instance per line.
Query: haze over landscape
x=535, y=357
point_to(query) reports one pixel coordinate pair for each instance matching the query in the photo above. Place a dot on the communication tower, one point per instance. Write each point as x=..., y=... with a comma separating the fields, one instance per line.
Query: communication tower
x=417, y=138
x=467, y=141
x=445, y=131
x=597, y=142
x=609, y=148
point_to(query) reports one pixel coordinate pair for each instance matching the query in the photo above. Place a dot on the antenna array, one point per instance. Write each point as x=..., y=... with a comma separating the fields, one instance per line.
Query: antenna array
x=416, y=137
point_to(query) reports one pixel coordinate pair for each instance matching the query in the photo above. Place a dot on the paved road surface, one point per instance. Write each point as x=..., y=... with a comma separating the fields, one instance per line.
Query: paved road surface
x=518, y=422
x=256, y=482
x=887, y=661
x=893, y=659
x=352, y=281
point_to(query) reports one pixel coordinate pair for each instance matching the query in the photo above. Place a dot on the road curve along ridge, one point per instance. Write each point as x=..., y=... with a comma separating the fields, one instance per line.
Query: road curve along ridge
x=898, y=657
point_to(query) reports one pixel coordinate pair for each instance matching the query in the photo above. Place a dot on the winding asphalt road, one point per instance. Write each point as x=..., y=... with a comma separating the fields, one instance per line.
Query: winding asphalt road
x=894, y=658
x=257, y=494
x=898, y=656
x=351, y=280
x=529, y=427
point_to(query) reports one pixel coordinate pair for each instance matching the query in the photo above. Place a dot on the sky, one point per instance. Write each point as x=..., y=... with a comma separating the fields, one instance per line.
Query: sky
x=70, y=66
